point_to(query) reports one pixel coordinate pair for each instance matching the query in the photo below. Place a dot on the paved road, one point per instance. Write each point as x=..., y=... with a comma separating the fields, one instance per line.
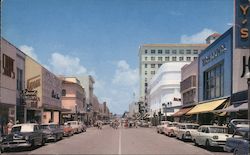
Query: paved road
x=121, y=141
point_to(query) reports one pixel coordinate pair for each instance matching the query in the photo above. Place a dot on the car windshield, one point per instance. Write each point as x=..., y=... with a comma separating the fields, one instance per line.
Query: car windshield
x=16, y=129
x=23, y=128
x=45, y=126
x=192, y=126
x=218, y=130
x=53, y=126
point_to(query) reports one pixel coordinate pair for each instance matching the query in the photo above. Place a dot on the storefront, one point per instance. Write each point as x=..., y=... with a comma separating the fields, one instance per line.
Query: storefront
x=215, y=79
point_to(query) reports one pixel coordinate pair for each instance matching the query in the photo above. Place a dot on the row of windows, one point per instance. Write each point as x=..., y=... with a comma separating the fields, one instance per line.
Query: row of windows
x=174, y=51
x=151, y=72
x=172, y=58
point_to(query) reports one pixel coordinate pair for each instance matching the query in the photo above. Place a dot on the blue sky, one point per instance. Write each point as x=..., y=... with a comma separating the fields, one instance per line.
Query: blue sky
x=102, y=37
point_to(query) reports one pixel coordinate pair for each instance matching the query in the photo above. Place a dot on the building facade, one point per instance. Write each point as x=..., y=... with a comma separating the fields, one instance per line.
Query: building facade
x=10, y=58
x=45, y=106
x=215, y=78
x=164, y=89
x=73, y=99
x=152, y=56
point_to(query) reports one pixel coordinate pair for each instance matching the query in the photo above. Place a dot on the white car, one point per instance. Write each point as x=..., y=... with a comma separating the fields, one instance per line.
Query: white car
x=184, y=131
x=76, y=125
x=170, y=129
x=160, y=127
x=211, y=136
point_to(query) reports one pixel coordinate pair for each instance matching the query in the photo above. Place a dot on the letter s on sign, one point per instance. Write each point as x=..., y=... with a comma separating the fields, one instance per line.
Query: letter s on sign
x=244, y=33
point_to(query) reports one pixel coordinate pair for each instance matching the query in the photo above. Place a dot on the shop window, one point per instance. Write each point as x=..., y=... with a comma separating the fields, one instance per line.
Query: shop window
x=8, y=66
x=63, y=92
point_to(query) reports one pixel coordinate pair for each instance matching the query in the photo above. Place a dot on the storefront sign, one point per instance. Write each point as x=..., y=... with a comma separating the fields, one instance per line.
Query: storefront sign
x=217, y=52
x=245, y=66
x=29, y=96
x=242, y=23
x=55, y=95
x=33, y=83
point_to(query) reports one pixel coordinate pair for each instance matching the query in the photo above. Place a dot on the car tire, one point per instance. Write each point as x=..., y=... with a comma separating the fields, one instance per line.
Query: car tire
x=236, y=152
x=195, y=143
x=2, y=150
x=208, y=146
x=43, y=142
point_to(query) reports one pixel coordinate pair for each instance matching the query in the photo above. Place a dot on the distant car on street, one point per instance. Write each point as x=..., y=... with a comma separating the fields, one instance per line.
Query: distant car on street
x=169, y=130
x=211, y=136
x=159, y=128
x=76, y=125
x=23, y=135
x=52, y=131
x=67, y=130
x=239, y=142
x=184, y=131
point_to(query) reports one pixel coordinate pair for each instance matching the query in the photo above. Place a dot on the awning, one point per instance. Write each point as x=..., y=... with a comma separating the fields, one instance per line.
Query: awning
x=234, y=108
x=206, y=107
x=182, y=112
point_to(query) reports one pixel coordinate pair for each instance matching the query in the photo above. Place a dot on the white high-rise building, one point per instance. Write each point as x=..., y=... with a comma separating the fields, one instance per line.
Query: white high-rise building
x=152, y=56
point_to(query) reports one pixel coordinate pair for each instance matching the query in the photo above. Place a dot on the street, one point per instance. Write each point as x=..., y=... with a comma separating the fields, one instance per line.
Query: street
x=121, y=141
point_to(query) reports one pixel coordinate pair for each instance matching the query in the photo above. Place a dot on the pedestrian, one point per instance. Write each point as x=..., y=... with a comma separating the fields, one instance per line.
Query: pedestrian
x=9, y=126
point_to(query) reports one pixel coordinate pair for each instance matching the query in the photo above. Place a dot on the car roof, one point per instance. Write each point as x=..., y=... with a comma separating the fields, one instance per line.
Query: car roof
x=49, y=124
x=217, y=126
x=189, y=124
x=25, y=124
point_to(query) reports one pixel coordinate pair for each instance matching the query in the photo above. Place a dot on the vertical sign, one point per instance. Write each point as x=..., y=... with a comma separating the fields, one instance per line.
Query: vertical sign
x=242, y=24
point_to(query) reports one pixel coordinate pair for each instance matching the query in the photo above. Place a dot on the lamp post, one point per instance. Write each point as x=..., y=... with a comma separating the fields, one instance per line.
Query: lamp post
x=247, y=76
x=165, y=111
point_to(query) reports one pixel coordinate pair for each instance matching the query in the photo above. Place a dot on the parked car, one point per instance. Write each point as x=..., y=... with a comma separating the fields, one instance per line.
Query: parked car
x=169, y=130
x=239, y=142
x=52, y=131
x=159, y=128
x=67, y=130
x=77, y=127
x=184, y=131
x=23, y=135
x=211, y=136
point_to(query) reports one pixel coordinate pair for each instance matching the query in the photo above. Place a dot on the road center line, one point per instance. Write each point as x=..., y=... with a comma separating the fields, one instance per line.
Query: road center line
x=120, y=142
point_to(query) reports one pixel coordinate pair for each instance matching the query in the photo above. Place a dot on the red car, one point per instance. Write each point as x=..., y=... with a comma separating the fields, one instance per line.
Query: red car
x=67, y=130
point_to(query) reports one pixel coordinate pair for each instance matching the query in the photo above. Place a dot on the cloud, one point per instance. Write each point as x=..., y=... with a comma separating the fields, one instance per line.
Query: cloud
x=124, y=75
x=66, y=65
x=29, y=51
x=199, y=37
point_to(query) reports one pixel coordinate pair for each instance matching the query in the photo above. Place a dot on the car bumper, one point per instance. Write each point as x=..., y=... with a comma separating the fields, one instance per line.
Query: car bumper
x=50, y=137
x=217, y=143
x=186, y=137
x=15, y=144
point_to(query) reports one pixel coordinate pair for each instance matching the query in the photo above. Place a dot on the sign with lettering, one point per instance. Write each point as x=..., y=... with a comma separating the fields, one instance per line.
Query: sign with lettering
x=242, y=23
x=30, y=96
x=217, y=52
x=34, y=82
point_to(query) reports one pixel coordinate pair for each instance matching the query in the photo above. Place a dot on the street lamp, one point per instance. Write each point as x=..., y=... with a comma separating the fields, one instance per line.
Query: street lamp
x=165, y=111
x=247, y=76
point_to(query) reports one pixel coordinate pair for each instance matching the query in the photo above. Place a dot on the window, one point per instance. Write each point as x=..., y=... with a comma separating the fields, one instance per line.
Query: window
x=146, y=51
x=19, y=79
x=159, y=65
x=180, y=58
x=146, y=84
x=146, y=72
x=159, y=58
x=152, y=51
x=146, y=80
x=152, y=58
x=188, y=58
x=213, y=82
x=146, y=65
x=152, y=65
x=195, y=51
x=146, y=58
x=152, y=72
x=8, y=66
x=195, y=58
x=188, y=51
x=63, y=92
x=174, y=51
x=173, y=58
x=181, y=51
x=167, y=51
x=166, y=58
x=159, y=51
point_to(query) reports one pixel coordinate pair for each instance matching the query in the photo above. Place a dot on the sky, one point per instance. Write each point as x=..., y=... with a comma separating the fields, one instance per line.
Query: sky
x=102, y=37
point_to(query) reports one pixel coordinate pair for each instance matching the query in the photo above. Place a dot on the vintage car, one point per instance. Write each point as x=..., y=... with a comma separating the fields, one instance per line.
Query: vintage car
x=211, y=136
x=184, y=131
x=169, y=130
x=76, y=125
x=67, y=130
x=23, y=135
x=239, y=142
x=159, y=128
x=52, y=131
